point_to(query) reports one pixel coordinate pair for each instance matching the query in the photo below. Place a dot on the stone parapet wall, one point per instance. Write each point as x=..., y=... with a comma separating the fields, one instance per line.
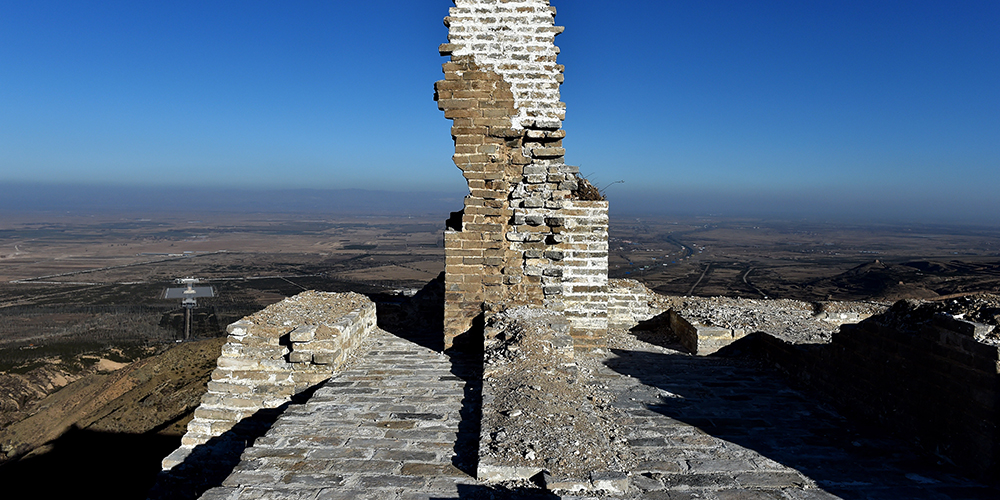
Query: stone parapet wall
x=932, y=382
x=631, y=302
x=702, y=339
x=524, y=223
x=275, y=354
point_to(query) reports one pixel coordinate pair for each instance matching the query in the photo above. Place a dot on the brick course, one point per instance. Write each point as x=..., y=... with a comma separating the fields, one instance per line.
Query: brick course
x=522, y=236
x=263, y=365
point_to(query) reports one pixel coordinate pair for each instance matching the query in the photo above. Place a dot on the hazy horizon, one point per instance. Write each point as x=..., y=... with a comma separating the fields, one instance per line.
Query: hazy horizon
x=41, y=198
x=886, y=110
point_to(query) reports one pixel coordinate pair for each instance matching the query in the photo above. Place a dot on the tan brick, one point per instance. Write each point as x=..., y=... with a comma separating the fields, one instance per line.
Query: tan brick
x=457, y=103
x=473, y=94
x=470, y=139
x=454, y=114
x=476, y=158
x=449, y=85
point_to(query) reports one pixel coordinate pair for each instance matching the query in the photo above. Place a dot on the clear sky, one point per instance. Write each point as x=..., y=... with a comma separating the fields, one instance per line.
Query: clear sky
x=889, y=106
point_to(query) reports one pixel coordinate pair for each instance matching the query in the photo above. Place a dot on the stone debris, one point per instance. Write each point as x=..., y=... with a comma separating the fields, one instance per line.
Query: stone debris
x=981, y=312
x=539, y=414
x=793, y=321
x=309, y=308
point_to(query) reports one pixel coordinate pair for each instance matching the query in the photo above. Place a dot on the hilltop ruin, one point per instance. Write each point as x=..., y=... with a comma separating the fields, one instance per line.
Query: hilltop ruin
x=532, y=231
x=568, y=381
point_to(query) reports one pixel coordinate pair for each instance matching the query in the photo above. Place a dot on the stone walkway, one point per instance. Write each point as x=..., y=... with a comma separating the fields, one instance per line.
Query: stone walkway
x=403, y=424
x=389, y=427
x=708, y=427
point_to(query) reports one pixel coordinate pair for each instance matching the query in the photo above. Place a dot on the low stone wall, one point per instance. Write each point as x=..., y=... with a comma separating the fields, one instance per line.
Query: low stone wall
x=702, y=339
x=274, y=354
x=931, y=381
x=630, y=302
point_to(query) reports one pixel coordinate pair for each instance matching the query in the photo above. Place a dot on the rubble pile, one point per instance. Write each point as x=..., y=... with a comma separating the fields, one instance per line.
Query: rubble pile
x=793, y=321
x=308, y=308
x=910, y=315
x=543, y=413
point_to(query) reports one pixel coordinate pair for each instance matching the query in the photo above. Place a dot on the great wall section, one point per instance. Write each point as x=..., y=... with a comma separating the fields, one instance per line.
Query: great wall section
x=527, y=373
x=531, y=232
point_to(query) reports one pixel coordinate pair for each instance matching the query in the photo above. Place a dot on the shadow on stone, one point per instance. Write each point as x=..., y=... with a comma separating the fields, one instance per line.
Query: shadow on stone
x=740, y=401
x=208, y=464
x=927, y=377
x=482, y=492
x=84, y=463
x=657, y=331
x=746, y=347
x=466, y=357
x=419, y=319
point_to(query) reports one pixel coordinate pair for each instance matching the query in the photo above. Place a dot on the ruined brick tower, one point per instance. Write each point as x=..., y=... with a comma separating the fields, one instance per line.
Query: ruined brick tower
x=532, y=231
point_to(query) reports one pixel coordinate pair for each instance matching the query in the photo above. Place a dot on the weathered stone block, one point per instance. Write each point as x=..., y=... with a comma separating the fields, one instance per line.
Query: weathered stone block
x=700, y=339
x=252, y=373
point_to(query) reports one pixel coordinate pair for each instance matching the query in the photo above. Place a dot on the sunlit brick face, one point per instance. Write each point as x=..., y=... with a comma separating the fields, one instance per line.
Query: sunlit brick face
x=524, y=236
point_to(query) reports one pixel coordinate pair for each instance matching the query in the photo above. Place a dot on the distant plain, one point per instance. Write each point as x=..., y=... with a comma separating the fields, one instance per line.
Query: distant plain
x=54, y=267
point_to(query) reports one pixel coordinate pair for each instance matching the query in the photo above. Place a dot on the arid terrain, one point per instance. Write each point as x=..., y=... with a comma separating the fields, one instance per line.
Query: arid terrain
x=90, y=351
x=805, y=260
x=87, y=342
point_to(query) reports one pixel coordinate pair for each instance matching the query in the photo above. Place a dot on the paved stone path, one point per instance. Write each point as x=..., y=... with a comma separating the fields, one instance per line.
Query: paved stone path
x=389, y=427
x=403, y=424
x=707, y=427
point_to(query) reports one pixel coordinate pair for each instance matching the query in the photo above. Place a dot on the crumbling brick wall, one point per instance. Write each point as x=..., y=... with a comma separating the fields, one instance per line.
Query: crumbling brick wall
x=525, y=236
x=273, y=355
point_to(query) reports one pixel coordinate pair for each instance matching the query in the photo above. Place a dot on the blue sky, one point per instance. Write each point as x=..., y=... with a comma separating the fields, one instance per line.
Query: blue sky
x=887, y=106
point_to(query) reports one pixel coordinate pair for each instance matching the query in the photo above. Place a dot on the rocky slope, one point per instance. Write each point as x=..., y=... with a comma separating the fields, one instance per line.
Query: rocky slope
x=146, y=402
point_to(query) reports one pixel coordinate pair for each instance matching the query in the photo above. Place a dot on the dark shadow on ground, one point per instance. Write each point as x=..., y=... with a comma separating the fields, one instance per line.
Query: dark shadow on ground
x=209, y=464
x=740, y=401
x=90, y=464
x=657, y=331
x=480, y=492
x=467, y=364
x=420, y=319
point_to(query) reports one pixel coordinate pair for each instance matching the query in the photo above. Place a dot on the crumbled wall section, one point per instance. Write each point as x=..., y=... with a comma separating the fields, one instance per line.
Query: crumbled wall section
x=530, y=381
x=630, y=302
x=702, y=339
x=274, y=354
x=522, y=237
x=935, y=382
